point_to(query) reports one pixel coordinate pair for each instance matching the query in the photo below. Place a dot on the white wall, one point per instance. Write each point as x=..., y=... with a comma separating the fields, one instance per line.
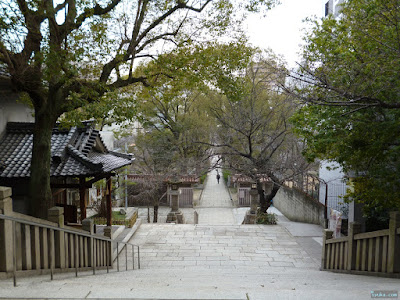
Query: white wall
x=334, y=7
x=330, y=172
x=12, y=111
x=107, y=134
x=108, y=139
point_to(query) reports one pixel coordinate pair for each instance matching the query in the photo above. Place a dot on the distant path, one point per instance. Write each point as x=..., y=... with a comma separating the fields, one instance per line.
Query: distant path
x=215, y=203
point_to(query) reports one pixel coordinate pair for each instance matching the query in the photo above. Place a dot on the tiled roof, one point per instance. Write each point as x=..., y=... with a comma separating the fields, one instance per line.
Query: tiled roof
x=147, y=177
x=74, y=152
x=245, y=179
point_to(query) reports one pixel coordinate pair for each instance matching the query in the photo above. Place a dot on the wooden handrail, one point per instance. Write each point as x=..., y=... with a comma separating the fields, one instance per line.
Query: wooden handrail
x=337, y=240
x=373, y=234
x=63, y=229
x=76, y=235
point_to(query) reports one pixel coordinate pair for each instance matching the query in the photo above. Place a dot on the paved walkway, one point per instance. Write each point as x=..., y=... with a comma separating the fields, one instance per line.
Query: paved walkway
x=215, y=203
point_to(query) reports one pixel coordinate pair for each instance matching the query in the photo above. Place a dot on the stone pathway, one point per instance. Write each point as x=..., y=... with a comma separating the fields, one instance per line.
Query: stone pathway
x=207, y=262
x=215, y=259
x=215, y=203
x=219, y=247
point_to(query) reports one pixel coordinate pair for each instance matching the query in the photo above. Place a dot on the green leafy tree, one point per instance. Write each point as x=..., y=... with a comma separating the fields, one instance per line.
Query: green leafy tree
x=173, y=109
x=349, y=84
x=254, y=135
x=67, y=54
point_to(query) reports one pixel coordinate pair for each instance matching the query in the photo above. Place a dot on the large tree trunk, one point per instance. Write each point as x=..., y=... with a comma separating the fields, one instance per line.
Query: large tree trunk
x=40, y=191
x=155, y=215
x=265, y=200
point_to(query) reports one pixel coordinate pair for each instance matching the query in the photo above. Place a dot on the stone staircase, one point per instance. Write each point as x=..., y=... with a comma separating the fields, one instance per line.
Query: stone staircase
x=208, y=262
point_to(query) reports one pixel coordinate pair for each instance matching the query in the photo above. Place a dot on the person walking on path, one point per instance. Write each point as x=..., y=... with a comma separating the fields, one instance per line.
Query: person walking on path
x=218, y=177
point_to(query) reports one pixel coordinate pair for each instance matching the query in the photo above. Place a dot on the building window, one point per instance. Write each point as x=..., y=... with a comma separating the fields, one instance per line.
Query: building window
x=326, y=8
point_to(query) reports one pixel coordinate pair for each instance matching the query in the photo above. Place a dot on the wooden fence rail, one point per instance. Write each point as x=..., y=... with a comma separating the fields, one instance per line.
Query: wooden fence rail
x=31, y=244
x=376, y=252
x=34, y=246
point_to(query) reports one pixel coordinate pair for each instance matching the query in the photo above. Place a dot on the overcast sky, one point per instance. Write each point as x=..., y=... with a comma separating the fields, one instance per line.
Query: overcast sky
x=281, y=29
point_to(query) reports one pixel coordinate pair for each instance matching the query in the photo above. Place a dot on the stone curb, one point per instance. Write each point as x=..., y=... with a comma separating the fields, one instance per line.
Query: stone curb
x=128, y=237
x=118, y=231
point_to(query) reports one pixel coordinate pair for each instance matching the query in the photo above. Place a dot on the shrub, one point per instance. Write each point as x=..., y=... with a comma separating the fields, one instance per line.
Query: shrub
x=225, y=175
x=203, y=178
x=266, y=218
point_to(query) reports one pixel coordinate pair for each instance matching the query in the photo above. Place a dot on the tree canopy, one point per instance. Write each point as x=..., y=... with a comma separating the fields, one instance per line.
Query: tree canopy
x=349, y=85
x=172, y=111
x=254, y=135
x=65, y=55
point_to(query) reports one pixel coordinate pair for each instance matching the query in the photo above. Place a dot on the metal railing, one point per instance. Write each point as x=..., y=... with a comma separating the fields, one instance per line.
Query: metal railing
x=100, y=253
x=126, y=255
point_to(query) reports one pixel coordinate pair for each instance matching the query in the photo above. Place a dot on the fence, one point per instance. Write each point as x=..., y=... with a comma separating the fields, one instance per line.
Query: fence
x=332, y=193
x=244, y=197
x=185, y=197
x=306, y=183
x=31, y=244
x=376, y=252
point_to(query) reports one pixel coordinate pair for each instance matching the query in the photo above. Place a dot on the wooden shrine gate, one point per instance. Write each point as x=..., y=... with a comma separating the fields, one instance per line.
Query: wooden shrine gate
x=244, y=196
x=185, y=197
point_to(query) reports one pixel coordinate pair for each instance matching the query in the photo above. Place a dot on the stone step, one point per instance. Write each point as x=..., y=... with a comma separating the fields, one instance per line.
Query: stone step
x=166, y=283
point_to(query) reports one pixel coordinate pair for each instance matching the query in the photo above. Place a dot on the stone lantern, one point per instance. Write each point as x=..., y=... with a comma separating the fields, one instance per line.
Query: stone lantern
x=251, y=215
x=175, y=215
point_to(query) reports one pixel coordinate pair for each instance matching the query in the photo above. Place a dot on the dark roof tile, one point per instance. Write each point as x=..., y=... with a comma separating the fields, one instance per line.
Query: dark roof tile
x=72, y=152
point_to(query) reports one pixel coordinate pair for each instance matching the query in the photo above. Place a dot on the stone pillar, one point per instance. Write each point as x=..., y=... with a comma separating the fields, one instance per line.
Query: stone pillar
x=56, y=215
x=175, y=215
x=354, y=228
x=174, y=200
x=327, y=236
x=6, y=236
x=109, y=247
x=251, y=215
x=87, y=225
x=253, y=201
x=394, y=243
x=108, y=231
x=356, y=214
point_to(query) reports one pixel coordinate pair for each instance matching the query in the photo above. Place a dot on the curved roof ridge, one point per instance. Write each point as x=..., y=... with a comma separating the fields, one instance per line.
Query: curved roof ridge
x=59, y=153
x=83, y=159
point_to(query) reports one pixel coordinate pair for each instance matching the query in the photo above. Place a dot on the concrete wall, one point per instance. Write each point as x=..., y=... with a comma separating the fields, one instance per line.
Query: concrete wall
x=333, y=7
x=296, y=206
x=12, y=111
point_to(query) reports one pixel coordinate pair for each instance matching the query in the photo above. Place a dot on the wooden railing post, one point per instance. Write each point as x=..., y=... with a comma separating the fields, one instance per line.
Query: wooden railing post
x=87, y=225
x=354, y=228
x=6, y=233
x=56, y=215
x=394, y=243
x=327, y=236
